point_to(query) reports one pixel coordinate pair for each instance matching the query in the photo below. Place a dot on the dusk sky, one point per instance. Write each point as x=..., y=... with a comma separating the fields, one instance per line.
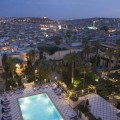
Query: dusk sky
x=60, y=9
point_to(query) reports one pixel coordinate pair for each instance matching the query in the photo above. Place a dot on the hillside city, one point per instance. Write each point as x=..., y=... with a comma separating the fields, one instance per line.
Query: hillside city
x=76, y=62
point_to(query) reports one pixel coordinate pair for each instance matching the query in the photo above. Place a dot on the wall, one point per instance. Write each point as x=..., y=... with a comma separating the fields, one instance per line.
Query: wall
x=60, y=54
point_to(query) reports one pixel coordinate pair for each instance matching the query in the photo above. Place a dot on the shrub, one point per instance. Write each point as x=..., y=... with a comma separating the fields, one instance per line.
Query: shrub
x=118, y=105
x=74, y=98
x=83, y=109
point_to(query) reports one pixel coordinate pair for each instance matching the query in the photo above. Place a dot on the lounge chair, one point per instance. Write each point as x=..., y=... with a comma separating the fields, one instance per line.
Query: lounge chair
x=6, y=117
x=6, y=107
x=58, y=93
x=5, y=103
x=55, y=88
x=5, y=100
x=5, y=94
x=38, y=87
x=74, y=117
x=34, y=87
x=61, y=96
x=10, y=93
x=42, y=86
x=5, y=110
x=46, y=86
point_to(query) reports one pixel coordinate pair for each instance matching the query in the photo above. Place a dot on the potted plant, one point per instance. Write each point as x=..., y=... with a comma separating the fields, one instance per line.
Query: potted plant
x=87, y=102
x=73, y=99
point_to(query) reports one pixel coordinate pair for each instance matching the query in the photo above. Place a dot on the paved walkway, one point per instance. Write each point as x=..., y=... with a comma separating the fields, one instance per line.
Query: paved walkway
x=61, y=104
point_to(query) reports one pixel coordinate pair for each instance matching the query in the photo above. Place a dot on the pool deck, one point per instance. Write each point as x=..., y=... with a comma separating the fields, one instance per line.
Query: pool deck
x=62, y=106
x=99, y=107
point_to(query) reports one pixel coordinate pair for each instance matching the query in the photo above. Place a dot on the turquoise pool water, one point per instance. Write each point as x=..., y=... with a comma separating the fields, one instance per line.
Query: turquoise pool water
x=38, y=107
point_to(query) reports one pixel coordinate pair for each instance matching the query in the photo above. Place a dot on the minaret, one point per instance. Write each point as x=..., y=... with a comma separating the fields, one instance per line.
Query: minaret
x=93, y=24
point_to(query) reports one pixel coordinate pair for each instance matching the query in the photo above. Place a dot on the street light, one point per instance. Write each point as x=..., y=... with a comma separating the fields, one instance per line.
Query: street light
x=35, y=75
x=18, y=66
x=45, y=80
x=10, y=87
x=55, y=77
x=96, y=80
x=57, y=80
x=17, y=84
x=84, y=78
x=35, y=71
x=82, y=92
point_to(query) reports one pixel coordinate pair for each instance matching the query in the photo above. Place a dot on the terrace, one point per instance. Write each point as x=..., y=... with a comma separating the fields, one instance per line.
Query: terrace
x=99, y=107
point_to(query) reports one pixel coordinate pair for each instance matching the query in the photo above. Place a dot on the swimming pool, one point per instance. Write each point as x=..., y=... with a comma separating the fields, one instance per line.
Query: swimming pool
x=38, y=107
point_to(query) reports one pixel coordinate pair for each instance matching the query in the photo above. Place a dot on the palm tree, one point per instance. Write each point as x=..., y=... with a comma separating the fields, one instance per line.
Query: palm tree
x=4, y=59
x=12, y=66
x=109, y=54
x=44, y=69
x=30, y=69
x=117, y=54
x=11, y=76
x=31, y=56
x=85, y=42
x=97, y=47
x=57, y=42
x=68, y=35
x=5, y=63
x=60, y=67
x=73, y=59
x=105, y=28
x=18, y=79
x=87, y=50
x=86, y=68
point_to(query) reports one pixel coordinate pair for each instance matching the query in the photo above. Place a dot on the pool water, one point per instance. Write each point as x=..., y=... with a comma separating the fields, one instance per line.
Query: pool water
x=38, y=107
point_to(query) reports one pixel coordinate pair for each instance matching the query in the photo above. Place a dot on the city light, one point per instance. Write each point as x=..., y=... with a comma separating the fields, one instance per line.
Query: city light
x=17, y=66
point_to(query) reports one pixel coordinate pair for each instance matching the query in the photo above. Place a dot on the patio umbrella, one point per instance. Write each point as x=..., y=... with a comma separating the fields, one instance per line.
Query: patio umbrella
x=1, y=101
x=87, y=102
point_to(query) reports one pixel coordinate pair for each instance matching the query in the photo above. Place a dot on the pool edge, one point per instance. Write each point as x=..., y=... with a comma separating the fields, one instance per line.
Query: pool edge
x=34, y=95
